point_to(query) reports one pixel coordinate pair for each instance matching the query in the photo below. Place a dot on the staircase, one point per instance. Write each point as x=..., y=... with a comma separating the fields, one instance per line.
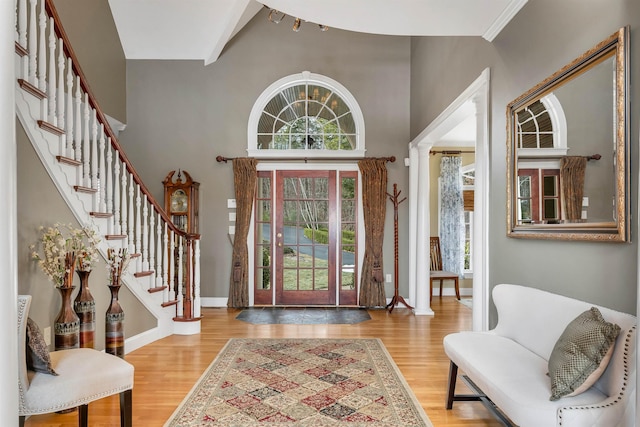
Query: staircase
x=81, y=153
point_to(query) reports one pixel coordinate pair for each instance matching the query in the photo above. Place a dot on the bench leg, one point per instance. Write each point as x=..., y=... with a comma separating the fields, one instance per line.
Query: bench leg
x=126, y=408
x=453, y=375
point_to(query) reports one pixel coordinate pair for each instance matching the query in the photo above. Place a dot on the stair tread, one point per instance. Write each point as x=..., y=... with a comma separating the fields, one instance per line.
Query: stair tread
x=68, y=161
x=29, y=88
x=44, y=125
x=143, y=273
x=82, y=189
x=101, y=214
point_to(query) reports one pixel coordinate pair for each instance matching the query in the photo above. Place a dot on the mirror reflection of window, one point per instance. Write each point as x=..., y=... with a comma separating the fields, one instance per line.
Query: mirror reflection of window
x=535, y=129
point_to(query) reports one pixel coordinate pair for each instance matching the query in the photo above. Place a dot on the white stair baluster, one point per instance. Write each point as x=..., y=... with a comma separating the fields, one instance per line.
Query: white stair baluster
x=145, y=232
x=101, y=173
x=172, y=265
x=196, y=278
x=138, y=225
x=108, y=184
x=22, y=36
x=124, y=221
x=86, y=142
x=93, y=159
x=77, y=138
x=33, y=43
x=116, y=196
x=69, y=96
x=151, y=233
x=42, y=58
x=61, y=98
x=51, y=95
x=159, y=257
x=180, y=306
x=131, y=216
x=21, y=6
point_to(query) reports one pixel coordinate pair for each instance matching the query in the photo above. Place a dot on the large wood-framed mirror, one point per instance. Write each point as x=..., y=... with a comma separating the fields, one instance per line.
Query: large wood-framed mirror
x=568, y=153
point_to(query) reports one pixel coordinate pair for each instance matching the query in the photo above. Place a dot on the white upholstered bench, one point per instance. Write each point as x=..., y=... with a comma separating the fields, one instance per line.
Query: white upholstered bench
x=508, y=365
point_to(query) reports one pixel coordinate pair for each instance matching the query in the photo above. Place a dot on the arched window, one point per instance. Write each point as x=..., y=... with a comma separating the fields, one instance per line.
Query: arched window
x=542, y=129
x=306, y=115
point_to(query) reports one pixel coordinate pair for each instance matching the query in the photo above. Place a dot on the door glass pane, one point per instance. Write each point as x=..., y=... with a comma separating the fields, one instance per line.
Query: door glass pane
x=348, y=210
x=550, y=186
x=550, y=208
x=525, y=210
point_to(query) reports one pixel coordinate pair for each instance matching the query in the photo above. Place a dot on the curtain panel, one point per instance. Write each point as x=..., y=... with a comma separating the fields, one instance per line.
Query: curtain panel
x=451, y=214
x=572, y=172
x=374, y=198
x=245, y=180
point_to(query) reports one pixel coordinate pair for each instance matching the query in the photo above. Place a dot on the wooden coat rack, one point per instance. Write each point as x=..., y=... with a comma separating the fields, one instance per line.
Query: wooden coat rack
x=396, y=296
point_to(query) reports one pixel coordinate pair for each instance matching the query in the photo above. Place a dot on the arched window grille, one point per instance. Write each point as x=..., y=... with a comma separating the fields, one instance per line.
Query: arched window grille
x=542, y=128
x=306, y=115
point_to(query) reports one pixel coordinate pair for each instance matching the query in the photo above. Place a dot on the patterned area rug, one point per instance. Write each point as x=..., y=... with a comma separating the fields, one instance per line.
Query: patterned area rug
x=467, y=302
x=301, y=383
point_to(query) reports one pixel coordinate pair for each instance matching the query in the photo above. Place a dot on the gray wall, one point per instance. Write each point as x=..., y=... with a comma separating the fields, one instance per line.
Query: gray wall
x=95, y=41
x=40, y=204
x=543, y=37
x=182, y=114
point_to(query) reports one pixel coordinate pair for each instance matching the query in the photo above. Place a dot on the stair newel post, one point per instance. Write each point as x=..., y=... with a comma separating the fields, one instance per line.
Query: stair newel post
x=145, y=233
x=187, y=304
x=77, y=137
x=116, y=195
x=51, y=81
x=100, y=179
x=33, y=43
x=196, y=278
x=131, y=215
x=86, y=144
x=179, y=292
x=69, y=117
x=42, y=60
x=124, y=221
x=158, y=251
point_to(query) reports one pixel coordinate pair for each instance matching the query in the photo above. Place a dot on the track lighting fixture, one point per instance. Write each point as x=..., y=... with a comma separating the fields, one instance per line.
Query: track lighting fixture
x=276, y=17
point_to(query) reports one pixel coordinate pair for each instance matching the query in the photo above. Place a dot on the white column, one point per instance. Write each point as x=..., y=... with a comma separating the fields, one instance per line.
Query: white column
x=422, y=304
x=8, y=220
x=413, y=218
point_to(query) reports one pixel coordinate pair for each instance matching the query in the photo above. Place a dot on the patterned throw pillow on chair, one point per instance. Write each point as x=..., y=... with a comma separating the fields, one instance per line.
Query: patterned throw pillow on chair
x=38, y=358
x=581, y=354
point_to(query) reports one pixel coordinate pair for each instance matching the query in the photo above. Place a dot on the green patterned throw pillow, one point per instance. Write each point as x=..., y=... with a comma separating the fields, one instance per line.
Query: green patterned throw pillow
x=581, y=354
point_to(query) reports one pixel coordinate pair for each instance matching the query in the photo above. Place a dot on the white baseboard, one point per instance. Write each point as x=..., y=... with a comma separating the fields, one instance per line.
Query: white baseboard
x=217, y=302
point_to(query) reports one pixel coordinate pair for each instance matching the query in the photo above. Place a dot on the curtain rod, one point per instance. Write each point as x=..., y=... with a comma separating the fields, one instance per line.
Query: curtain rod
x=452, y=152
x=391, y=159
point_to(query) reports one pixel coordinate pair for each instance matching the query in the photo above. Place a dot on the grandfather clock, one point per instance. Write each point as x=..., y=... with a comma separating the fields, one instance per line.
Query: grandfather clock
x=181, y=201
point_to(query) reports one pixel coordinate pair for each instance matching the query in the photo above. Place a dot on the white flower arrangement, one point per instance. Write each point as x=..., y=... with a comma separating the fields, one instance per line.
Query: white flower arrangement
x=59, y=249
x=117, y=263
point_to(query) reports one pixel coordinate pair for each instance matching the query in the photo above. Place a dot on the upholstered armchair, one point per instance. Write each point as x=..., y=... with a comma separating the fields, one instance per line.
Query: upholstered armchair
x=83, y=375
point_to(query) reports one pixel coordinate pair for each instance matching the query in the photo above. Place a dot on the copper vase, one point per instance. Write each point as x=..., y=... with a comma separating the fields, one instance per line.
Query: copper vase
x=67, y=325
x=114, y=325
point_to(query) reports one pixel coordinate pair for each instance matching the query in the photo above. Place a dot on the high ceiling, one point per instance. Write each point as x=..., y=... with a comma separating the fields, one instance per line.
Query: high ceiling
x=199, y=29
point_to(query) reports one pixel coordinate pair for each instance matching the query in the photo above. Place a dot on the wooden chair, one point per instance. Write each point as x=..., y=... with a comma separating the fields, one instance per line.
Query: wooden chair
x=436, y=269
x=84, y=375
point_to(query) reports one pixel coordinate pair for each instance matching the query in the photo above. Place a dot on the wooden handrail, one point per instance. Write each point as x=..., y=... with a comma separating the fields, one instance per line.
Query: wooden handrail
x=51, y=10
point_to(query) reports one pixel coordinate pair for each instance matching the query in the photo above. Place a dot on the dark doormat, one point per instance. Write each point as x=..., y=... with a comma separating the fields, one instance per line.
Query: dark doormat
x=303, y=315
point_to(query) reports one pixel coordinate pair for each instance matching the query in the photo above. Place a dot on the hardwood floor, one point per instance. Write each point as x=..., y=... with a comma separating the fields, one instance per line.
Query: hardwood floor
x=166, y=370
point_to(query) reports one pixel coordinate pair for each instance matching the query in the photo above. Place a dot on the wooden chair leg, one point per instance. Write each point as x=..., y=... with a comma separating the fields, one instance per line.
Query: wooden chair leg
x=441, y=288
x=453, y=376
x=21, y=421
x=126, y=408
x=430, y=291
x=457, y=288
x=83, y=415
